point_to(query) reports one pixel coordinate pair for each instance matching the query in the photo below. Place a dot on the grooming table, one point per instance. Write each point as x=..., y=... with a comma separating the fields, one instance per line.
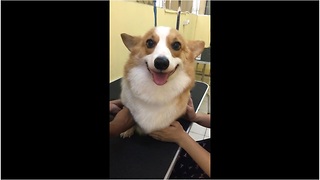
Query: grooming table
x=143, y=157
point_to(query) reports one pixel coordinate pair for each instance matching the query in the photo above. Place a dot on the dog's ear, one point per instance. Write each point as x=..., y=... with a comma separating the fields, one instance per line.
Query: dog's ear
x=196, y=47
x=130, y=41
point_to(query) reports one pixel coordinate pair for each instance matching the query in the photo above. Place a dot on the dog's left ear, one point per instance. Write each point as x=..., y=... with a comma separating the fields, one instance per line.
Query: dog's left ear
x=196, y=47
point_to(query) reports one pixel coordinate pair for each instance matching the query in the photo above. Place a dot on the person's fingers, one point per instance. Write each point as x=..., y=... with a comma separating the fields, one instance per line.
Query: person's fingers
x=175, y=124
x=189, y=108
x=155, y=135
x=126, y=109
x=114, y=109
x=190, y=102
x=120, y=105
x=117, y=102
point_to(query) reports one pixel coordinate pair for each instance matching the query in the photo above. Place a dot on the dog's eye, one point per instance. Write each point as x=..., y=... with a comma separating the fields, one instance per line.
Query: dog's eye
x=176, y=46
x=150, y=43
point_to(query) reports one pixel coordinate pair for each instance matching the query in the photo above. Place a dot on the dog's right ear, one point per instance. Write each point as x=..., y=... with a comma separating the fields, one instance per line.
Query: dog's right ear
x=130, y=41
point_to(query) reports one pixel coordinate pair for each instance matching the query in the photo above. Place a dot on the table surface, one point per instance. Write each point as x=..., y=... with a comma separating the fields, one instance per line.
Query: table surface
x=143, y=156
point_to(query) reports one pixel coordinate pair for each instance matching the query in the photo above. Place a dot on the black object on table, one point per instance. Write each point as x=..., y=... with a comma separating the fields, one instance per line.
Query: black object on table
x=143, y=156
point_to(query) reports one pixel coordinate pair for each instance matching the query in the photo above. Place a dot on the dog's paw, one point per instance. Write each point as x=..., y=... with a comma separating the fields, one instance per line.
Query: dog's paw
x=128, y=133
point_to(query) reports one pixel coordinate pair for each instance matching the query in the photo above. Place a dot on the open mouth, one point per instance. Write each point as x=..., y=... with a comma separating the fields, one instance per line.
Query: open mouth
x=160, y=78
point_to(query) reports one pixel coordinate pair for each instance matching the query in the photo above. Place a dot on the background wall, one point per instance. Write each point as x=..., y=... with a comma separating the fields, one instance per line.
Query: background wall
x=136, y=19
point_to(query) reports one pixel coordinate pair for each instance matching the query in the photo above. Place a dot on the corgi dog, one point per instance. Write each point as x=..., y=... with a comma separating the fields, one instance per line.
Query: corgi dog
x=158, y=77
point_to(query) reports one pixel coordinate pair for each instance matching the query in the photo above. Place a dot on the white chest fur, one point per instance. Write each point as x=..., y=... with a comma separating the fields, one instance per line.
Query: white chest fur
x=153, y=107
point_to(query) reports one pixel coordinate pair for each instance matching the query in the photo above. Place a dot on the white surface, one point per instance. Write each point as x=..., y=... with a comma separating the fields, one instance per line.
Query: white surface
x=196, y=128
x=196, y=137
x=207, y=135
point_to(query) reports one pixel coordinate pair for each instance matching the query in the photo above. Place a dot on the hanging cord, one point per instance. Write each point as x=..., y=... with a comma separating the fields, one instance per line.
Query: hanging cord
x=155, y=12
x=178, y=16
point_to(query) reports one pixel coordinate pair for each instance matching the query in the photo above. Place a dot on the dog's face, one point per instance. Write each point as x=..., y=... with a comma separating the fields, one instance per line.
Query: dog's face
x=162, y=51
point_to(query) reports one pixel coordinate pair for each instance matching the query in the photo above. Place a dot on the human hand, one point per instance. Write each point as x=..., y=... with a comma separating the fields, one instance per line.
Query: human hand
x=173, y=133
x=115, y=106
x=121, y=122
x=190, y=114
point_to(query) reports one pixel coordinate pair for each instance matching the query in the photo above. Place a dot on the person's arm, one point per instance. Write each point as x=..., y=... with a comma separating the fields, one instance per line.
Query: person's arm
x=196, y=152
x=199, y=118
x=175, y=133
x=121, y=122
x=202, y=119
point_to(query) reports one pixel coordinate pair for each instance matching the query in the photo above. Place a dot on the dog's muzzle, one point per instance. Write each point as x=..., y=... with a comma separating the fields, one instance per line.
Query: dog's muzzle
x=159, y=76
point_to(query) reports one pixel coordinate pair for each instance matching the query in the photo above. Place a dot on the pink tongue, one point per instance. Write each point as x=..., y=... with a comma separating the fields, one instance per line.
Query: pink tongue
x=160, y=78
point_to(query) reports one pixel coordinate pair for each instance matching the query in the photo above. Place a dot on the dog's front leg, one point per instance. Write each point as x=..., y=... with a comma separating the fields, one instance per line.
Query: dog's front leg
x=128, y=133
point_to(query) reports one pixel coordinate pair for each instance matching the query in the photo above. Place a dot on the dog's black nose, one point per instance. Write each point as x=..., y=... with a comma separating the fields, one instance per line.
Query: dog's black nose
x=161, y=63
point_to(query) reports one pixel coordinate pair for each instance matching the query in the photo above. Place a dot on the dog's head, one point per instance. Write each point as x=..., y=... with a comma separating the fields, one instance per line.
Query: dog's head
x=162, y=51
